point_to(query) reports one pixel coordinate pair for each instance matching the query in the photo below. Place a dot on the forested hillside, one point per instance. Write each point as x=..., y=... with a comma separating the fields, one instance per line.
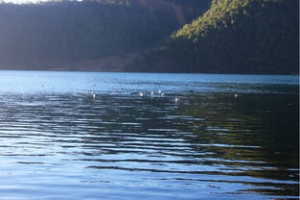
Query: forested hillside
x=36, y=35
x=207, y=36
x=234, y=36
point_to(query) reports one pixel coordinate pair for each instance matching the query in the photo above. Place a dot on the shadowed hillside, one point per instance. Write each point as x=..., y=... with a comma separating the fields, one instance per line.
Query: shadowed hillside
x=44, y=36
x=206, y=36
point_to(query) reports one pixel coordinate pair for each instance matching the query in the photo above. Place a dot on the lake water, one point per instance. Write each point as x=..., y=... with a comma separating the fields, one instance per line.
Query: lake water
x=75, y=135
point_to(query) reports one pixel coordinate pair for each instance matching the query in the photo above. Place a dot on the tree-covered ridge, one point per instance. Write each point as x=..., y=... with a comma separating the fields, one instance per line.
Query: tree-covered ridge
x=71, y=30
x=87, y=30
x=225, y=13
x=220, y=14
x=232, y=36
x=236, y=36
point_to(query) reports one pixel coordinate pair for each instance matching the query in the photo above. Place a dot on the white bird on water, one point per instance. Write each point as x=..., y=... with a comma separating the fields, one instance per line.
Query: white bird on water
x=141, y=94
x=160, y=92
x=236, y=96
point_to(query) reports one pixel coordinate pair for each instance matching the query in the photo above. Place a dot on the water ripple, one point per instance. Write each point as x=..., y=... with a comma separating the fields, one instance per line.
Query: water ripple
x=207, y=144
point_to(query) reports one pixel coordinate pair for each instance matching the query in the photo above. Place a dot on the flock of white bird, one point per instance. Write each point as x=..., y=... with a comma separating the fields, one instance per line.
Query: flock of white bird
x=159, y=93
x=152, y=93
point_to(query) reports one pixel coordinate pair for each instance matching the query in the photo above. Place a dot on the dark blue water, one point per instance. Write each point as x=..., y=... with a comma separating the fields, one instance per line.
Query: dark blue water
x=75, y=135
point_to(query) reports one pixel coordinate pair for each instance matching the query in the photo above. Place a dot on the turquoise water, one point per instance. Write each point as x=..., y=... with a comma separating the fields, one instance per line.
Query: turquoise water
x=76, y=135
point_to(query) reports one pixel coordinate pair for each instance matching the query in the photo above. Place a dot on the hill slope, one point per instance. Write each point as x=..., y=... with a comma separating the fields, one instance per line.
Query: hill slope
x=42, y=36
x=234, y=36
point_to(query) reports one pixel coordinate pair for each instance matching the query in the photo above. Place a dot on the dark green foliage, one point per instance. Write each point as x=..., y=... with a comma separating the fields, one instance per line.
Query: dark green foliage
x=236, y=36
x=73, y=30
x=66, y=30
x=233, y=36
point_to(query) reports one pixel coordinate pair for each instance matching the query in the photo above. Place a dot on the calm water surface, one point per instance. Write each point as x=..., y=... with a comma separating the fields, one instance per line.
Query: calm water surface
x=66, y=135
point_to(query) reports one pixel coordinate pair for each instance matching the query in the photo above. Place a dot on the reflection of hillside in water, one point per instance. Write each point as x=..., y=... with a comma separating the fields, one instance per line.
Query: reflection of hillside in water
x=254, y=135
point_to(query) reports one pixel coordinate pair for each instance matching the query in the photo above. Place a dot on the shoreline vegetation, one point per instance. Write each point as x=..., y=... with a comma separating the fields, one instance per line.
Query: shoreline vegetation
x=188, y=36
